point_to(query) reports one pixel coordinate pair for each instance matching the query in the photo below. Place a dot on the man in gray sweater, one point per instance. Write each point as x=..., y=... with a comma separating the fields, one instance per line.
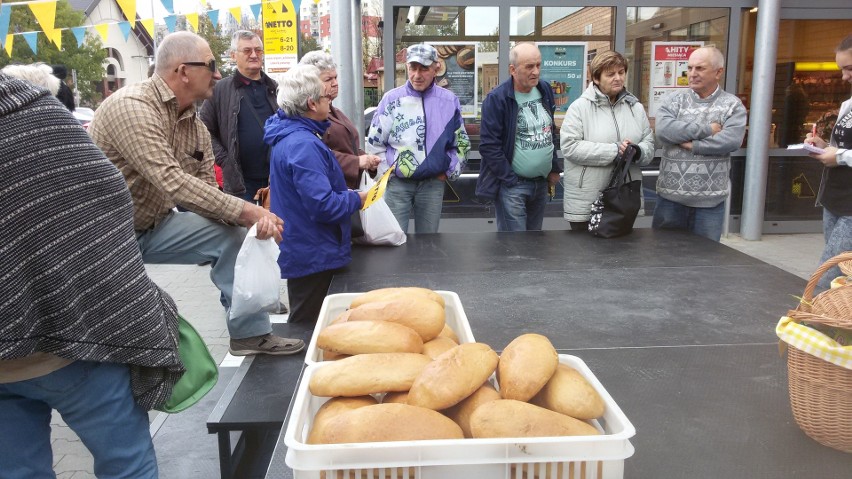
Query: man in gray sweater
x=698, y=130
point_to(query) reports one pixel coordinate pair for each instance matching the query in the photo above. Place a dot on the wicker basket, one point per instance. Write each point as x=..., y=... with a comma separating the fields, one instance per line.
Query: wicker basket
x=821, y=392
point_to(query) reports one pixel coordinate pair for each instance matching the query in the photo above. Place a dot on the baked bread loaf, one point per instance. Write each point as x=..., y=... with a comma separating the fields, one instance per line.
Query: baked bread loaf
x=365, y=337
x=511, y=418
x=418, y=313
x=438, y=346
x=448, y=332
x=453, y=376
x=569, y=393
x=368, y=374
x=332, y=408
x=388, y=294
x=461, y=412
x=525, y=366
x=389, y=422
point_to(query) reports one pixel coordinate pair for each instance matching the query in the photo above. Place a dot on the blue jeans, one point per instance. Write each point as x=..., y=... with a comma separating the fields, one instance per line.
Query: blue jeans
x=187, y=238
x=95, y=401
x=838, y=238
x=706, y=222
x=425, y=197
x=521, y=207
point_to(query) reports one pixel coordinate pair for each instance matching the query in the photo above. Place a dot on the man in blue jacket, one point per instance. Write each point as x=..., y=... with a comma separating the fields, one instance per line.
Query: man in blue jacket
x=518, y=144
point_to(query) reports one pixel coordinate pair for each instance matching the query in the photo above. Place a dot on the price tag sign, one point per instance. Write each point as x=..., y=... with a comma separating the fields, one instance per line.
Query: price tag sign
x=280, y=36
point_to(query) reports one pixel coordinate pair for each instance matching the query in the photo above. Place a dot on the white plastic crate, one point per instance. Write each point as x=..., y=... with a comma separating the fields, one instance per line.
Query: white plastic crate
x=578, y=457
x=334, y=304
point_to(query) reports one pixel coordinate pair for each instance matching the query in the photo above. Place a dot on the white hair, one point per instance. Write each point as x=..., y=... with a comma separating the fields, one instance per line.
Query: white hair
x=295, y=88
x=717, y=59
x=176, y=48
x=319, y=59
x=39, y=74
x=243, y=35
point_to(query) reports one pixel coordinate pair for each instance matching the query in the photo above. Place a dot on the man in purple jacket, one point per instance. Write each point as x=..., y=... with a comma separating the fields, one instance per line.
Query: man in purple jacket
x=418, y=130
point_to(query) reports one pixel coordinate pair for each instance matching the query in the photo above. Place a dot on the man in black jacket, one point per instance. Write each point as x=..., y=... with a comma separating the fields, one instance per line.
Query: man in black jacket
x=235, y=117
x=518, y=144
x=65, y=95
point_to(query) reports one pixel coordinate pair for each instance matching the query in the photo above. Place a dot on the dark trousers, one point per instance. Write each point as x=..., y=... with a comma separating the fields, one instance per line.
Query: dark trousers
x=252, y=185
x=306, y=295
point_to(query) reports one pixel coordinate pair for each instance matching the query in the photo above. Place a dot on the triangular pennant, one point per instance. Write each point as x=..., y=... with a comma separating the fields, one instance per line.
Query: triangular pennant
x=103, y=30
x=237, y=13
x=125, y=29
x=192, y=19
x=171, y=22
x=8, y=42
x=255, y=10
x=57, y=38
x=213, y=15
x=148, y=23
x=296, y=4
x=45, y=14
x=79, y=34
x=128, y=8
x=5, y=15
x=169, y=5
x=32, y=41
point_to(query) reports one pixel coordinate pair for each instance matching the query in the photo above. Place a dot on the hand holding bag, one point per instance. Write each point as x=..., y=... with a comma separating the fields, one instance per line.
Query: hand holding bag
x=378, y=222
x=256, y=276
x=617, y=206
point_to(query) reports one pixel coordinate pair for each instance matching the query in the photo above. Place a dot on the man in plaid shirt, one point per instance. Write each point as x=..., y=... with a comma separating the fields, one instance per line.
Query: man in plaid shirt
x=151, y=132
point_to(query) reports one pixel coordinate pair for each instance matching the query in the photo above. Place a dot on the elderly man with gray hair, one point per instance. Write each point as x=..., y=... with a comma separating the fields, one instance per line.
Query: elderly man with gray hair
x=150, y=131
x=235, y=114
x=309, y=192
x=698, y=129
x=342, y=136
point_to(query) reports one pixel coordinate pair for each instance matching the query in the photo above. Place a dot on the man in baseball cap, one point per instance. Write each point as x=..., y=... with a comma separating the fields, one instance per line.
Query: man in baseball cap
x=422, y=53
x=423, y=153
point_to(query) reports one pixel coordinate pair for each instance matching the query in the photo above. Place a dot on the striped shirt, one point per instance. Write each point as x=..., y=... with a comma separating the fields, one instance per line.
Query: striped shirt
x=166, y=156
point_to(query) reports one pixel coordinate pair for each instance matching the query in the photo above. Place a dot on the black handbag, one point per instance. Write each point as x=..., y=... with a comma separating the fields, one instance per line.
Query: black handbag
x=617, y=206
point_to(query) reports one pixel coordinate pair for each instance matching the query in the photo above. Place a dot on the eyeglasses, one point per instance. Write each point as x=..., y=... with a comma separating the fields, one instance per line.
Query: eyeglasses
x=248, y=51
x=211, y=65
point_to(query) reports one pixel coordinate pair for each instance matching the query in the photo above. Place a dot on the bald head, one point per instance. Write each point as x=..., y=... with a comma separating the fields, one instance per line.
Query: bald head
x=177, y=48
x=525, y=66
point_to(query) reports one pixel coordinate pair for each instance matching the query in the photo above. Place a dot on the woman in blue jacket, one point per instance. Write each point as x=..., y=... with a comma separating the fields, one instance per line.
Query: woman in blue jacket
x=308, y=191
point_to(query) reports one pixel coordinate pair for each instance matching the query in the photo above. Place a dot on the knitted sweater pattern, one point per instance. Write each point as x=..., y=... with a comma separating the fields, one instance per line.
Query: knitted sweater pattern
x=72, y=281
x=699, y=177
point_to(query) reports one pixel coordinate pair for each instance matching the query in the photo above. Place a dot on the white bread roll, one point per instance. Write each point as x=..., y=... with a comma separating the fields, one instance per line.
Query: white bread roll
x=389, y=422
x=525, y=366
x=510, y=418
x=368, y=374
x=365, y=337
x=418, y=313
x=569, y=393
x=453, y=376
x=388, y=294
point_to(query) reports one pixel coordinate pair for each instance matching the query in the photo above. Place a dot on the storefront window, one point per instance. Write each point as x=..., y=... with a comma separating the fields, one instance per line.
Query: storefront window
x=675, y=28
x=808, y=86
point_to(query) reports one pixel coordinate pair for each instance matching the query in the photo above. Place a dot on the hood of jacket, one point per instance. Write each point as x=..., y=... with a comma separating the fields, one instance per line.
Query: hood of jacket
x=15, y=94
x=279, y=126
x=594, y=95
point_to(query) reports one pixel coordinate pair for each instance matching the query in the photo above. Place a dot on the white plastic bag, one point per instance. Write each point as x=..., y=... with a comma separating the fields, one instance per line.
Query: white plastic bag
x=380, y=225
x=256, y=276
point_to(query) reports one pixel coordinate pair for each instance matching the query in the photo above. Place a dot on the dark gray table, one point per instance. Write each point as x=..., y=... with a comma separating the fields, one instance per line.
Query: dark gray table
x=679, y=329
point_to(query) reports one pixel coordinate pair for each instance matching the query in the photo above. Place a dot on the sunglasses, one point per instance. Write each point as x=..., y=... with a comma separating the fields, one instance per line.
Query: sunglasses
x=211, y=65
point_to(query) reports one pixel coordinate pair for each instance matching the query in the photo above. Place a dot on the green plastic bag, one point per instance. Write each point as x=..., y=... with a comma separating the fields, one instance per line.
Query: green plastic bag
x=201, y=374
